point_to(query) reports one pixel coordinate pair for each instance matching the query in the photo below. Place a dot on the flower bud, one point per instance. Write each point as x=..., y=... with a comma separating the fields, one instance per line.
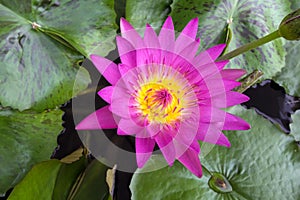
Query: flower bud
x=289, y=27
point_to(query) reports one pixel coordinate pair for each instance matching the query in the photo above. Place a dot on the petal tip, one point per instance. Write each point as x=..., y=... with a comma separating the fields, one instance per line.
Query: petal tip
x=125, y=25
x=168, y=24
x=79, y=127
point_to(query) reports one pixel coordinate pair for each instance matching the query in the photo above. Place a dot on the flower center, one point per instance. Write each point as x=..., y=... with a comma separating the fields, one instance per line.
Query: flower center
x=158, y=103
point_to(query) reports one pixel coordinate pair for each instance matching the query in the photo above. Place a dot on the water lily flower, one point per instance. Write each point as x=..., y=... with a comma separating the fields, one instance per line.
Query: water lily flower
x=164, y=93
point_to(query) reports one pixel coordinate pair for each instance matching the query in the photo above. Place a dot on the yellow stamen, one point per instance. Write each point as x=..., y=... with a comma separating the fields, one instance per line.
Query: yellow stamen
x=157, y=103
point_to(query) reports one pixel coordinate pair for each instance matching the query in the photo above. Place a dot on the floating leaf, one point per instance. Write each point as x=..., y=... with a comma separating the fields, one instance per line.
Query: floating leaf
x=26, y=139
x=139, y=13
x=38, y=60
x=41, y=176
x=89, y=26
x=248, y=21
x=295, y=127
x=289, y=77
x=261, y=163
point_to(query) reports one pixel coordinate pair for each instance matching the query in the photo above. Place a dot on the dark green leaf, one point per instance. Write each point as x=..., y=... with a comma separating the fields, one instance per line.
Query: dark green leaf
x=261, y=163
x=66, y=178
x=89, y=26
x=38, y=183
x=139, y=13
x=26, y=139
x=56, y=180
x=248, y=21
x=93, y=183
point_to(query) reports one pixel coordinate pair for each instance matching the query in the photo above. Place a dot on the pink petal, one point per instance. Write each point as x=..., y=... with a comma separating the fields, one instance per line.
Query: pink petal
x=107, y=68
x=167, y=36
x=123, y=68
x=181, y=148
x=187, y=36
x=150, y=38
x=144, y=148
x=129, y=127
x=233, y=122
x=210, y=55
x=120, y=108
x=100, y=119
x=214, y=136
x=215, y=51
x=191, y=161
x=210, y=69
x=210, y=114
x=120, y=102
x=126, y=52
x=215, y=87
x=232, y=74
x=154, y=129
x=142, y=57
x=232, y=98
x=189, y=52
x=191, y=28
x=106, y=93
x=130, y=34
x=164, y=141
x=186, y=134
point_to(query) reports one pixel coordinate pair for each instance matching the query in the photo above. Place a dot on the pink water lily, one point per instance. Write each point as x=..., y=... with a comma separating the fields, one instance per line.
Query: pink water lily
x=164, y=93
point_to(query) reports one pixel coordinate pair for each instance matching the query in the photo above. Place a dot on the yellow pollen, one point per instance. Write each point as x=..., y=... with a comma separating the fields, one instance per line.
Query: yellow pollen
x=158, y=103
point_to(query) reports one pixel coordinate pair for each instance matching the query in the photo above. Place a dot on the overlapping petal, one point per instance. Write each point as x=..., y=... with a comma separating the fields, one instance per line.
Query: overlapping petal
x=164, y=93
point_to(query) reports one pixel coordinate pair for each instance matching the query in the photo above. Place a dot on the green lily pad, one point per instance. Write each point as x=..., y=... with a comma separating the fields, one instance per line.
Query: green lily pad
x=26, y=139
x=295, y=127
x=289, y=77
x=295, y=4
x=55, y=180
x=89, y=26
x=139, y=13
x=247, y=20
x=40, y=176
x=261, y=163
x=41, y=44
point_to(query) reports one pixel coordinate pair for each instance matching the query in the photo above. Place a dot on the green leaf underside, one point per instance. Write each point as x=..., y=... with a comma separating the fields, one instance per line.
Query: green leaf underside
x=250, y=21
x=261, y=163
x=139, y=13
x=26, y=139
x=55, y=180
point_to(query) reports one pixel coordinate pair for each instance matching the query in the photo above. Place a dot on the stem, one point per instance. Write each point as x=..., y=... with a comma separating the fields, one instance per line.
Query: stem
x=205, y=169
x=268, y=38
